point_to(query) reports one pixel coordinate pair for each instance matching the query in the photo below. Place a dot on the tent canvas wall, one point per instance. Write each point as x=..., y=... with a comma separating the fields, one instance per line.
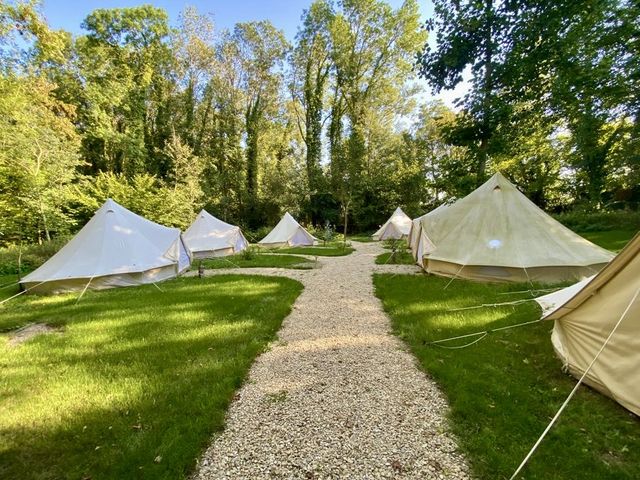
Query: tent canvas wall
x=209, y=237
x=288, y=232
x=396, y=227
x=418, y=241
x=497, y=234
x=586, y=313
x=116, y=248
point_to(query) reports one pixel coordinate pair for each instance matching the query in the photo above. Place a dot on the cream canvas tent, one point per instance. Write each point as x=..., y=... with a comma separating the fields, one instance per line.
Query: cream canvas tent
x=586, y=313
x=497, y=234
x=209, y=237
x=287, y=232
x=396, y=227
x=418, y=241
x=116, y=248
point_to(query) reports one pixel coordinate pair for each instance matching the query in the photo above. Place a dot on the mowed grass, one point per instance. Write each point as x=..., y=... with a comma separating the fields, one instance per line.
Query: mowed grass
x=137, y=380
x=613, y=240
x=361, y=237
x=400, y=257
x=330, y=250
x=257, y=260
x=504, y=389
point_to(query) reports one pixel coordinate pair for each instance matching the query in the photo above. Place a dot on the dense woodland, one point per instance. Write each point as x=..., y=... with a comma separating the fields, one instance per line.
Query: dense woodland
x=170, y=118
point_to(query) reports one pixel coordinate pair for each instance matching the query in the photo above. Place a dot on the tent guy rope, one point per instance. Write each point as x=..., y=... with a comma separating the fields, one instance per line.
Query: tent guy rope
x=575, y=389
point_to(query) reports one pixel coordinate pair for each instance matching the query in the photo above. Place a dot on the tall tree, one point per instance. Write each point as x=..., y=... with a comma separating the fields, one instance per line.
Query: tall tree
x=578, y=61
x=472, y=35
x=123, y=61
x=373, y=52
x=311, y=67
x=261, y=50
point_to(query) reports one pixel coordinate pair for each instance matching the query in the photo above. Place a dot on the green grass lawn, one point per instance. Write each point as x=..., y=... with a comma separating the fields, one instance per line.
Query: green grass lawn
x=613, y=240
x=361, y=237
x=330, y=250
x=504, y=390
x=401, y=257
x=257, y=260
x=137, y=381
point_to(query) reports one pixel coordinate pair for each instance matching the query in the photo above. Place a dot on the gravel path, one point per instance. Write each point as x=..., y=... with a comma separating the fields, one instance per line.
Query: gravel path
x=337, y=396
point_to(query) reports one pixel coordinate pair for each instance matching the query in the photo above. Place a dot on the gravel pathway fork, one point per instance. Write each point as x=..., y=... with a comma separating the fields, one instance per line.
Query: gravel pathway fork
x=337, y=396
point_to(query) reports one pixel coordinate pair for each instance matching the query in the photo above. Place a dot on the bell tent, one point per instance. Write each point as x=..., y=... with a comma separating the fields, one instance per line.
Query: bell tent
x=497, y=234
x=209, y=237
x=587, y=313
x=418, y=241
x=116, y=248
x=396, y=227
x=287, y=232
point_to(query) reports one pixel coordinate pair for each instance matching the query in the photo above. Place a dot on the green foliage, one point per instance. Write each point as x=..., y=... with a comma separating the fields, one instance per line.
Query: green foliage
x=590, y=221
x=28, y=256
x=503, y=390
x=38, y=159
x=143, y=194
x=247, y=126
x=133, y=375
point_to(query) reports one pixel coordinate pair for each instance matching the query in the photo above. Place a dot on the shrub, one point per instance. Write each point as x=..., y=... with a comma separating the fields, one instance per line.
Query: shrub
x=249, y=253
x=584, y=221
x=32, y=256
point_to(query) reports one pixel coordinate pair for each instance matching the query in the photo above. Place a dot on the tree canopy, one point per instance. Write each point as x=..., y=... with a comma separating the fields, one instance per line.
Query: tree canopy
x=336, y=125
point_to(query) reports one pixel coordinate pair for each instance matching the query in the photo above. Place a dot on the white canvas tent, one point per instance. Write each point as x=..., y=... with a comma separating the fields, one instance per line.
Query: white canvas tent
x=209, y=237
x=497, y=234
x=396, y=227
x=287, y=232
x=586, y=313
x=116, y=248
x=418, y=241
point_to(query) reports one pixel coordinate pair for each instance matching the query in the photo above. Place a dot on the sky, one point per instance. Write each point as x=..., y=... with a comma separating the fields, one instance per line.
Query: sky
x=284, y=14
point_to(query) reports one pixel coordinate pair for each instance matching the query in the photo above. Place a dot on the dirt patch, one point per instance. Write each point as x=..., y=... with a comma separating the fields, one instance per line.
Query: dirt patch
x=29, y=331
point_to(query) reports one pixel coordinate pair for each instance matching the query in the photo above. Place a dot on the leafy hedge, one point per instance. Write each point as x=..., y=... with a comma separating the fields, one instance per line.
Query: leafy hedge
x=32, y=256
x=582, y=221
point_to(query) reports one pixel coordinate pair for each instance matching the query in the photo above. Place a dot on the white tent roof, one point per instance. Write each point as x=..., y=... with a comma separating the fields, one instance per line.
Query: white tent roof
x=288, y=232
x=397, y=226
x=114, y=241
x=498, y=226
x=209, y=234
x=587, y=312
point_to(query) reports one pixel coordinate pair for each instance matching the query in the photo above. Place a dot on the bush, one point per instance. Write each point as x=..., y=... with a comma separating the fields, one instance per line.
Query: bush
x=583, y=221
x=249, y=253
x=254, y=236
x=33, y=255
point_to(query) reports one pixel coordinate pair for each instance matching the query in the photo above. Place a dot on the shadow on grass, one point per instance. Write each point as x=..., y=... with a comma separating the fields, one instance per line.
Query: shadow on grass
x=139, y=380
x=504, y=389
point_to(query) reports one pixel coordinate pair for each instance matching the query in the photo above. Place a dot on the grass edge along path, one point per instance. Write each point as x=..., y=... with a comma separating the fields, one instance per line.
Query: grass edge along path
x=257, y=260
x=503, y=390
x=332, y=250
x=138, y=381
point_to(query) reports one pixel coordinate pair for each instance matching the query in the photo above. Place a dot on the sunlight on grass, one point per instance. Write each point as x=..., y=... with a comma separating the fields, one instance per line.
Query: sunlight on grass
x=613, y=240
x=401, y=257
x=504, y=389
x=257, y=261
x=330, y=250
x=135, y=374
